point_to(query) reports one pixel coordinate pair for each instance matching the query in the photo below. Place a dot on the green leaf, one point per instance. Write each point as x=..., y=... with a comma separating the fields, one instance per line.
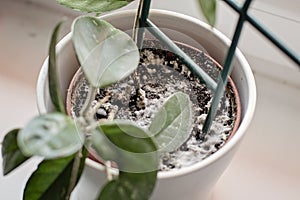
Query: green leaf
x=136, y=156
x=127, y=144
x=133, y=186
x=51, y=136
x=97, y=6
x=105, y=53
x=11, y=154
x=208, y=8
x=109, y=191
x=54, y=86
x=53, y=179
x=171, y=125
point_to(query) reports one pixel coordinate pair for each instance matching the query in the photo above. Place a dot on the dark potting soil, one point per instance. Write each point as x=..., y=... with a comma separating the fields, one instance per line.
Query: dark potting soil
x=160, y=74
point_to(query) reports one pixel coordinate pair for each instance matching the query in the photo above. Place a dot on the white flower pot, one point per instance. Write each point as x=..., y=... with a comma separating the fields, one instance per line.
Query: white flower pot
x=194, y=182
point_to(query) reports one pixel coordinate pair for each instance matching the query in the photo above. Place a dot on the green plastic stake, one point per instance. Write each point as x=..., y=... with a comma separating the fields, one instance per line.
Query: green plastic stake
x=227, y=67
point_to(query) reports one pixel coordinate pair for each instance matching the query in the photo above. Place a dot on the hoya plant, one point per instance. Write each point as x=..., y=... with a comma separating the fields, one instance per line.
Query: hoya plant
x=106, y=56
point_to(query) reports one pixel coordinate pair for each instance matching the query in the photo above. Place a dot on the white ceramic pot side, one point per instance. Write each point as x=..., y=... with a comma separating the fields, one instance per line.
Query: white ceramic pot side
x=195, y=182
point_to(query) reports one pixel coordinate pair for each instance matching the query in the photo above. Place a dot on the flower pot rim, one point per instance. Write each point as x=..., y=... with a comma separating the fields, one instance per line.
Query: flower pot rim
x=245, y=120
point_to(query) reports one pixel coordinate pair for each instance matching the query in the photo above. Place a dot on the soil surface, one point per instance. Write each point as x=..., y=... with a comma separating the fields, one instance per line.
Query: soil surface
x=160, y=74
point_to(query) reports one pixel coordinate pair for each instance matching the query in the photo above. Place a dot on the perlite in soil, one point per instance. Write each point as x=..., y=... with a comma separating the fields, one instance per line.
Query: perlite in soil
x=159, y=75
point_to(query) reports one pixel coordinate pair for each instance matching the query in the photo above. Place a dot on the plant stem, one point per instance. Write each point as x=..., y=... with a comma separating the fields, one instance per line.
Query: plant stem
x=144, y=14
x=138, y=32
x=93, y=110
x=87, y=104
x=136, y=21
x=74, y=173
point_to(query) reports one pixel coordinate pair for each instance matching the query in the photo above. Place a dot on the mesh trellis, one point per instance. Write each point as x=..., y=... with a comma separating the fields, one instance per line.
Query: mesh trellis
x=218, y=87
